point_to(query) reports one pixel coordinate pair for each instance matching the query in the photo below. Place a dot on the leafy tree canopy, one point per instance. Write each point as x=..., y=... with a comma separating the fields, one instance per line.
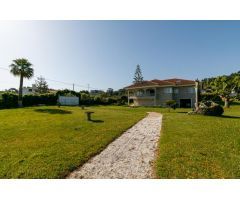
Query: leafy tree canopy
x=225, y=86
x=41, y=85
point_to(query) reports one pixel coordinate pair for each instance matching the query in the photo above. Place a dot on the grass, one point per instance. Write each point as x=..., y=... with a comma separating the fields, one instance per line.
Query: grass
x=194, y=146
x=49, y=142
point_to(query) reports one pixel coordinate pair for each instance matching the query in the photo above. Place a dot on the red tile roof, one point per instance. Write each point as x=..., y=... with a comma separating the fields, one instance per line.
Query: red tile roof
x=162, y=82
x=178, y=81
x=142, y=84
x=166, y=82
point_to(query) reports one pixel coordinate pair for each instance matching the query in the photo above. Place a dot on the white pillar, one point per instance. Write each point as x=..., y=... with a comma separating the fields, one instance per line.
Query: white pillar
x=155, y=96
x=128, y=97
x=196, y=91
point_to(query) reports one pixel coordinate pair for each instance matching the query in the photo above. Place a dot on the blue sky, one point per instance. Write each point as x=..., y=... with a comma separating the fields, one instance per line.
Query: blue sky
x=105, y=53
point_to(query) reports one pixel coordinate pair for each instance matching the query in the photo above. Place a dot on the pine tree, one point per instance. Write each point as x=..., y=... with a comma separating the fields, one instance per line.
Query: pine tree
x=138, y=78
x=41, y=85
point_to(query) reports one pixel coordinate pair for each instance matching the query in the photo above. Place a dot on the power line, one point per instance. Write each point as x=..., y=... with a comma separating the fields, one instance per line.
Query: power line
x=66, y=83
x=4, y=68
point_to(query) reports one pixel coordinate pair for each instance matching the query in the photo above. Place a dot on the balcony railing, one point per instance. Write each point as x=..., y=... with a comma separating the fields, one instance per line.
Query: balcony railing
x=142, y=95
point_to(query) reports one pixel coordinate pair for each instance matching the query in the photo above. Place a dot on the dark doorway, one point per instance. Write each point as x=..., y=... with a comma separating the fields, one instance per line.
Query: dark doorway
x=185, y=103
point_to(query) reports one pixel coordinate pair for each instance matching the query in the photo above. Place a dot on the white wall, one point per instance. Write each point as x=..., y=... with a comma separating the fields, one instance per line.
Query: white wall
x=68, y=101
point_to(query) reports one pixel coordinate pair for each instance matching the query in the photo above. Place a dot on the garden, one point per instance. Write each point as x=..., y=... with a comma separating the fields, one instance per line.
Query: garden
x=50, y=142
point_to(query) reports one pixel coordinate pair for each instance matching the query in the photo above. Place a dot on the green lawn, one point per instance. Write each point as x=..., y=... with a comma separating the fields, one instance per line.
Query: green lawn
x=200, y=146
x=48, y=142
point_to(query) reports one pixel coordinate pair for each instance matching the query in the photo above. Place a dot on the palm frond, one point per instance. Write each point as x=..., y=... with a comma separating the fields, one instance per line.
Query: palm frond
x=22, y=67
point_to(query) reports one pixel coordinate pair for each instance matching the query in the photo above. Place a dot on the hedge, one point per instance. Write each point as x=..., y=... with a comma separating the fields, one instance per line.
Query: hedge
x=47, y=99
x=10, y=100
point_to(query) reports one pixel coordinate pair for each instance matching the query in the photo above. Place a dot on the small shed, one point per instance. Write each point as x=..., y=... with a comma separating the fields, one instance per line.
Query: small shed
x=68, y=100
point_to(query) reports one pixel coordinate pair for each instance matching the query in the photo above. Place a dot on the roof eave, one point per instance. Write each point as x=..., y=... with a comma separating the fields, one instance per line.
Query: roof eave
x=158, y=86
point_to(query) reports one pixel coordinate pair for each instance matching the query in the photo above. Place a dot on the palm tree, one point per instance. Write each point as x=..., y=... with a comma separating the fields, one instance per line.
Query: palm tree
x=21, y=67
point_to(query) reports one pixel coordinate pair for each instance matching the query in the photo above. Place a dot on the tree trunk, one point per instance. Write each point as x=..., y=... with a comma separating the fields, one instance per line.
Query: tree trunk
x=226, y=100
x=20, y=91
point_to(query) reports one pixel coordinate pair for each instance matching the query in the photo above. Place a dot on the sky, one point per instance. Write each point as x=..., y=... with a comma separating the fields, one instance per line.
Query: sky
x=104, y=54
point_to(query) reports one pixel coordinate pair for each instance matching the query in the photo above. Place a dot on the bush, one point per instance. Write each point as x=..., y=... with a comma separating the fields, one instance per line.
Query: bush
x=9, y=100
x=122, y=100
x=47, y=99
x=171, y=104
x=85, y=99
x=210, y=108
x=110, y=100
x=98, y=100
x=238, y=97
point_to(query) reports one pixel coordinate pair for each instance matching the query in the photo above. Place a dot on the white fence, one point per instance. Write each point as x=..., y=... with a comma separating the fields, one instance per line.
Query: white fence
x=68, y=101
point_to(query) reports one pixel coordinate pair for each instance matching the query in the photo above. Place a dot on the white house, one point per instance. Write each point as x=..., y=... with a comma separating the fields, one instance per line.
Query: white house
x=157, y=92
x=29, y=90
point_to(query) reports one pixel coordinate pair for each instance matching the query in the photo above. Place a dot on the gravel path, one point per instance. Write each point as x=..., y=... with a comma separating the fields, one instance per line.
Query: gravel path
x=129, y=157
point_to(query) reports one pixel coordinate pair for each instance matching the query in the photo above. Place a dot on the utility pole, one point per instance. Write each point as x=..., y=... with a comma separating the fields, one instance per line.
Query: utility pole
x=73, y=86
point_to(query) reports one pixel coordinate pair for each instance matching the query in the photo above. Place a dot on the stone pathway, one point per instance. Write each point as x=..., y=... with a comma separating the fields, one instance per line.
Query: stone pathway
x=128, y=157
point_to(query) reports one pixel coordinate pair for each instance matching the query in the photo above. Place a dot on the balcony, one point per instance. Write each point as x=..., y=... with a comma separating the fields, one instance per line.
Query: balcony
x=142, y=96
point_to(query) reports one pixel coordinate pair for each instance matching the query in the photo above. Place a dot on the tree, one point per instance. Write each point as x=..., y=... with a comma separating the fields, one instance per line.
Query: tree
x=236, y=82
x=138, y=78
x=21, y=67
x=41, y=85
x=224, y=86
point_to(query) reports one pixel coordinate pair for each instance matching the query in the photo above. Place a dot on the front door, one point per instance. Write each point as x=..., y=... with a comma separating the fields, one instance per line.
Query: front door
x=185, y=103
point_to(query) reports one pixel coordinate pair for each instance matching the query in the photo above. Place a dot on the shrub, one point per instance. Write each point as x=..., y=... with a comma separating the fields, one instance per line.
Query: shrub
x=9, y=100
x=210, y=108
x=85, y=99
x=47, y=99
x=171, y=104
x=98, y=100
x=238, y=97
x=111, y=100
x=122, y=100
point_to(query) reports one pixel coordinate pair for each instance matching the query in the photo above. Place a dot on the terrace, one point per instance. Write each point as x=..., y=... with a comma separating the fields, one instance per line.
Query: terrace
x=142, y=94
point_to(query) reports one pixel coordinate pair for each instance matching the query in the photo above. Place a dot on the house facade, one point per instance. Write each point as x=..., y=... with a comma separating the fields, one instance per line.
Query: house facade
x=157, y=92
x=29, y=90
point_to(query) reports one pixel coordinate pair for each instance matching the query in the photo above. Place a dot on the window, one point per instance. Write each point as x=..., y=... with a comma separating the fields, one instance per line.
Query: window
x=140, y=92
x=167, y=90
x=150, y=92
x=190, y=90
x=175, y=90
